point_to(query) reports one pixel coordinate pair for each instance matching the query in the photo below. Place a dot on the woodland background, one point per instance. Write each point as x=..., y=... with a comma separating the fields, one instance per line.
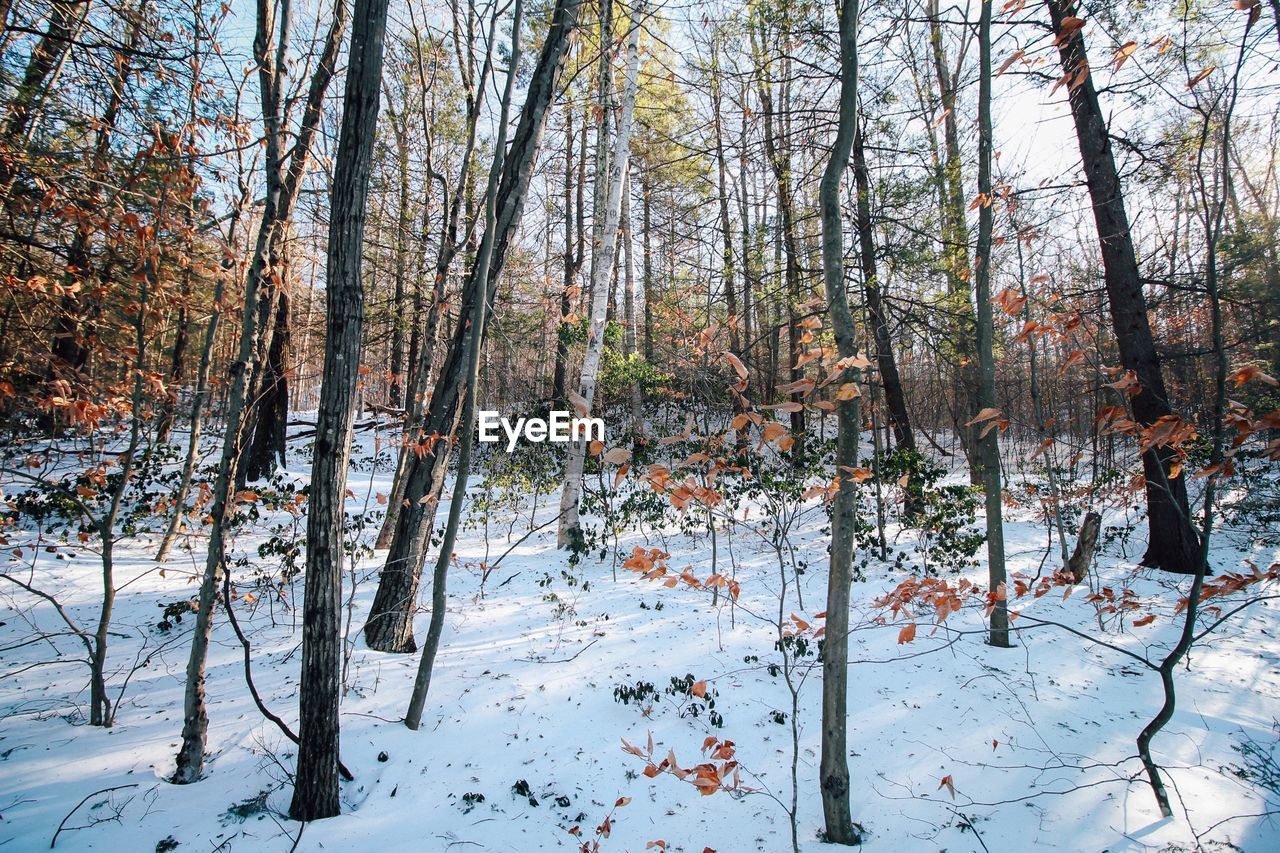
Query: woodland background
x=961, y=321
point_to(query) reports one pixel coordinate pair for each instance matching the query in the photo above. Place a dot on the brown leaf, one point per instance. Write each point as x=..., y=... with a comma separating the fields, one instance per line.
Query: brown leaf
x=1014, y=57
x=738, y=366
x=984, y=415
x=617, y=455
x=1123, y=53
x=1208, y=69
x=949, y=784
x=800, y=386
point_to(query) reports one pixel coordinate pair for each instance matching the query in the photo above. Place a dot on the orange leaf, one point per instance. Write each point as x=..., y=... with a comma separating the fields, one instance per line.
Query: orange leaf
x=1208, y=69
x=738, y=366
x=1124, y=52
x=616, y=455
x=858, y=362
x=800, y=386
x=984, y=415
x=1014, y=57
x=948, y=783
x=907, y=634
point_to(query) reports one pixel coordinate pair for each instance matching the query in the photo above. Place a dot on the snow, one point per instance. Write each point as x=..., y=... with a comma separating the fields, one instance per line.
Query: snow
x=1038, y=740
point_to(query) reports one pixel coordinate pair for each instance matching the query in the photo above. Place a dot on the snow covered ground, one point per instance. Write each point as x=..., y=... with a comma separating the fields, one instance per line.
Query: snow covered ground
x=1037, y=741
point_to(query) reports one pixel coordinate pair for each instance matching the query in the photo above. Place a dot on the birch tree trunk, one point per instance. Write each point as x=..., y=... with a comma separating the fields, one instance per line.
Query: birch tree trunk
x=601, y=271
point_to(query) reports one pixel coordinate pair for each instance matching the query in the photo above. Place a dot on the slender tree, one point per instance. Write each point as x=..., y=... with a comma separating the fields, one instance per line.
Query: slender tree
x=601, y=274
x=315, y=793
x=834, y=769
x=988, y=441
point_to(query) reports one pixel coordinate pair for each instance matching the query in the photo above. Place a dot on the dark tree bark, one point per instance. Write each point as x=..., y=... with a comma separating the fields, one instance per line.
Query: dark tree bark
x=955, y=239
x=267, y=449
x=400, y=266
x=65, y=20
x=886, y=364
x=573, y=256
x=264, y=439
x=315, y=793
x=834, y=767
x=390, y=625
x=1173, y=544
x=988, y=442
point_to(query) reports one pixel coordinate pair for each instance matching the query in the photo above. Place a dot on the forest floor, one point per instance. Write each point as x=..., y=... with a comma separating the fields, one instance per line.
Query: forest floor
x=522, y=739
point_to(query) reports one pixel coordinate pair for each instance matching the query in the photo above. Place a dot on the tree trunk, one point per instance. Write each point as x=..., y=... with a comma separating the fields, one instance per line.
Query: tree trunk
x=886, y=364
x=197, y=415
x=572, y=259
x=271, y=413
x=1086, y=545
x=726, y=245
x=955, y=239
x=315, y=793
x=264, y=443
x=390, y=625
x=195, y=725
x=1173, y=544
x=602, y=269
x=474, y=343
x=780, y=159
x=629, y=315
x=646, y=267
x=65, y=20
x=834, y=767
x=988, y=443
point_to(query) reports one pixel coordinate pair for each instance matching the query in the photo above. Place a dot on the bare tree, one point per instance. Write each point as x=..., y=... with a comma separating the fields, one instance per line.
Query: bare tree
x=605, y=247
x=834, y=769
